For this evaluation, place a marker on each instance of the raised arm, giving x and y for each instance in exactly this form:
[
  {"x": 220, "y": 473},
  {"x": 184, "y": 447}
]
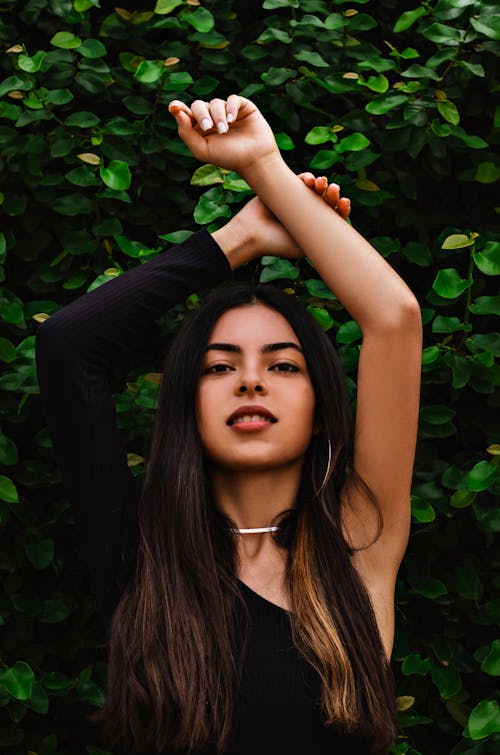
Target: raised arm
[
  {"x": 74, "y": 350},
  {"x": 375, "y": 296}
]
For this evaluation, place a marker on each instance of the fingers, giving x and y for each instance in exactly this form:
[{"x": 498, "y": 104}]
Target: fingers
[
  {"x": 329, "y": 192},
  {"x": 344, "y": 207},
  {"x": 215, "y": 115}
]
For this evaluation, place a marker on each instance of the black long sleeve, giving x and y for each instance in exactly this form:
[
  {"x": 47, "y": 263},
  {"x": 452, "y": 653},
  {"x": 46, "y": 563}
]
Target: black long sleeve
[{"x": 75, "y": 349}]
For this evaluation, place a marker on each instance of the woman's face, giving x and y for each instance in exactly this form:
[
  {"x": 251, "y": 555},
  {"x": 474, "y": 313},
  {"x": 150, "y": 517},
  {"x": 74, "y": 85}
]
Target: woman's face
[{"x": 255, "y": 403}]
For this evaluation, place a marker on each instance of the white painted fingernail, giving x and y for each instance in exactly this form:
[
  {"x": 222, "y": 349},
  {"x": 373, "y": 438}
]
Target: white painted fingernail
[
  {"x": 230, "y": 117},
  {"x": 221, "y": 128},
  {"x": 206, "y": 124}
]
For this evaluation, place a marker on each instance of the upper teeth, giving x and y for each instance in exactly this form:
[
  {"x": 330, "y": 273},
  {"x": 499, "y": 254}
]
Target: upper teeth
[{"x": 251, "y": 418}]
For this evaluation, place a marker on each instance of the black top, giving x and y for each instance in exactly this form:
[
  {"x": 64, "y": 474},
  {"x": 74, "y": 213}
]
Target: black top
[{"x": 278, "y": 704}]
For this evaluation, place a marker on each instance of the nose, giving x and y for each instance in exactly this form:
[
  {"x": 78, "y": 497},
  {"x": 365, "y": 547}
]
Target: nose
[{"x": 250, "y": 387}]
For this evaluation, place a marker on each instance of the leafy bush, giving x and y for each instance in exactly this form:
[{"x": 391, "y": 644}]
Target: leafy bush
[{"x": 395, "y": 106}]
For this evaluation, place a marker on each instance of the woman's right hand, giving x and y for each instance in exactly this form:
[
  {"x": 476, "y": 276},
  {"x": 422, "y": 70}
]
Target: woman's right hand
[
  {"x": 259, "y": 232},
  {"x": 231, "y": 134}
]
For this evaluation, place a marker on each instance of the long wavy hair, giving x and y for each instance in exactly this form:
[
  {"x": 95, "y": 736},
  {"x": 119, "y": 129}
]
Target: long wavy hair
[{"x": 175, "y": 656}]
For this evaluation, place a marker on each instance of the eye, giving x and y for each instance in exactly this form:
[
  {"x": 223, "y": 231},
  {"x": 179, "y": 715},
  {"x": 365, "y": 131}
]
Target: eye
[
  {"x": 284, "y": 367},
  {"x": 218, "y": 368}
]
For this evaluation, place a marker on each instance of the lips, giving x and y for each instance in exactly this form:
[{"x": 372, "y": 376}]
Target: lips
[{"x": 251, "y": 413}]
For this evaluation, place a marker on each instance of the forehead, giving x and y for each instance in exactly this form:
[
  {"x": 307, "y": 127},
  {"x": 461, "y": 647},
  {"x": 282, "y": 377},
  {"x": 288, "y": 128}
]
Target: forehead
[{"x": 252, "y": 324}]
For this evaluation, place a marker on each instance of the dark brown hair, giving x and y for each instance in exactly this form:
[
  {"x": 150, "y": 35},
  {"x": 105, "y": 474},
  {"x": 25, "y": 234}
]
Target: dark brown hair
[{"x": 173, "y": 669}]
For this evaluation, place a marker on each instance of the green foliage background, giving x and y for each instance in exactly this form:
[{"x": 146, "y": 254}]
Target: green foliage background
[{"x": 397, "y": 105}]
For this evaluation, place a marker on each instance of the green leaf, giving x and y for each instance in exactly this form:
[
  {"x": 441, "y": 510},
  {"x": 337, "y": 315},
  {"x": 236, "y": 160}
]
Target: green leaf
[
  {"x": 82, "y": 119},
  {"x": 352, "y": 143},
  {"x": 430, "y": 588},
  {"x": 92, "y": 48},
  {"x": 57, "y": 682},
  {"x": 163, "y": 7},
  {"x": 275, "y": 268},
  {"x": 323, "y": 159},
  {"x": 322, "y": 316},
  {"x": 461, "y": 499},
  {"x": 116, "y": 176},
  {"x": 417, "y": 71},
  {"x": 484, "y": 342},
  {"x": 54, "y": 610},
  {"x": 491, "y": 664},
  {"x": 31, "y": 64},
  {"x": 475, "y": 68},
  {"x": 11, "y": 312},
  {"x": 481, "y": 476},
  {"x": 414, "y": 664},
  {"x": 430, "y": 354},
  {"x": 8, "y": 491},
  {"x": 422, "y": 510},
  {"x": 176, "y": 237},
  {"x": 38, "y": 700},
  {"x": 447, "y": 680},
  {"x": 66, "y": 40},
  {"x": 484, "y": 719},
  {"x": 14, "y": 83},
  {"x": 443, "y": 324},
  {"x": 18, "y": 680},
  {"x": 211, "y": 205},
  {"x": 313, "y": 58},
  {"x": 487, "y": 25},
  {"x": 317, "y": 288},
  {"x": 488, "y": 259},
  {"x": 8, "y": 451},
  {"x": 487, "y": 173},
  {"x": 408, "y": 18},
  {"x": 201, "y": 19},
  {"x": 104, "y": 278},
  {"x": 348, "y": 332},
  {"x": 449, "y": 284},
  {"x": 284, "y": 142},
  {"x": 7, "y": 350},
  {"x": 73, "y": 204},
  {"x": 82, "y": 176},
  {"x": 378, "y": 83},
  {"x": 272, "y": 4},
  {"x": 59, "y": 96},
  {"x": 206, "y": 175},
  {"x": 472, "y": 141},
  {"x": 486, "y": 305},
  {"x": 41, "y": 553},
  {"x": 444, "y": 35},
  {"x": 449, "y": 112},
  {"x": 457, "y": 241},
  {"x": 82, "y": 5},
  {"x": 149, "y": 71},
  {"x": 437, "y": 414},
  {"x": 383, "y": 105}
]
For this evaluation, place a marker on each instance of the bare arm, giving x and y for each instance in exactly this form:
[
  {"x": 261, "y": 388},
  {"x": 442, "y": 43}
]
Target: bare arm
[{"x": 372, "y": 292}]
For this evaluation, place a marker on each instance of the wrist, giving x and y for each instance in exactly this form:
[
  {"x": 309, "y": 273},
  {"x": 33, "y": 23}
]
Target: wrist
[
  {"x": 237, "y": 242},
  {"x": 263, "y": 169}
]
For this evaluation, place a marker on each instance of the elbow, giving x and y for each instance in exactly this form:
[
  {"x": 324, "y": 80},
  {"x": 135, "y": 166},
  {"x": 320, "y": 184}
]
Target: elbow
[{"x": 403, "y": 318}]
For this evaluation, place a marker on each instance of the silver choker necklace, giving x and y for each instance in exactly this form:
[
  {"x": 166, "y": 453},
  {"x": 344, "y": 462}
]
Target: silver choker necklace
[{"x": 252, "y": 530}]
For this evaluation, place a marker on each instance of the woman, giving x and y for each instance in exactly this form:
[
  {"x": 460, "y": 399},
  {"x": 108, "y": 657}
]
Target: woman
[{"x": 250, "y": 591}]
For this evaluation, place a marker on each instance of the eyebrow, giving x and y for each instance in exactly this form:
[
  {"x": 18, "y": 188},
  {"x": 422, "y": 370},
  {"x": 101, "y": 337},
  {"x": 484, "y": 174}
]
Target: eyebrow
[{"x": 268, "y": 348}]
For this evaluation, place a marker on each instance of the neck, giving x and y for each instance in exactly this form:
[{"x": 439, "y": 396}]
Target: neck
[{"x": 253, "y": 499}]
